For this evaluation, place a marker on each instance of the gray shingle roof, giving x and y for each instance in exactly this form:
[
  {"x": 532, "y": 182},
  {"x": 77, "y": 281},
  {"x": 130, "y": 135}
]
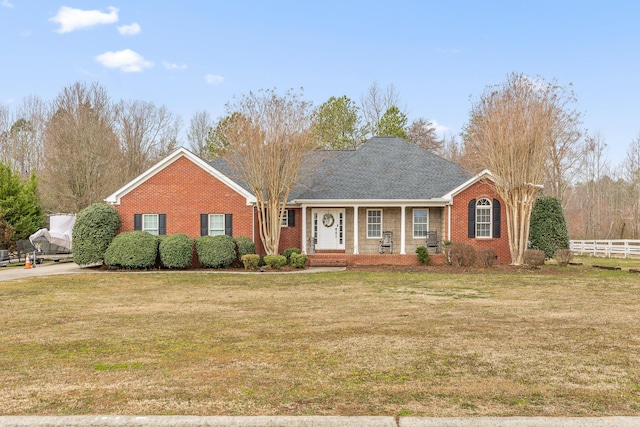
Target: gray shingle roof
[{"x": 382, "y": 168}]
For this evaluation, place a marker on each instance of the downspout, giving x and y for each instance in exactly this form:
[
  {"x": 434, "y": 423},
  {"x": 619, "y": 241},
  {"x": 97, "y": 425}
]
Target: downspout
[{"x": 449, "y": 223}]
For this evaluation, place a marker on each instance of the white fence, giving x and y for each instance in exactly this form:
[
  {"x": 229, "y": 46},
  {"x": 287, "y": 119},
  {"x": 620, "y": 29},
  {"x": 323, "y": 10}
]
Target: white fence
[{"x": 623, "y": 248}]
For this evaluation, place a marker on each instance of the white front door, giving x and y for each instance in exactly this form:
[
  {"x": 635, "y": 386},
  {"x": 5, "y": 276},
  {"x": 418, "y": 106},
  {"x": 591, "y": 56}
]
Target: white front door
[{"x": 328, "y": 228}]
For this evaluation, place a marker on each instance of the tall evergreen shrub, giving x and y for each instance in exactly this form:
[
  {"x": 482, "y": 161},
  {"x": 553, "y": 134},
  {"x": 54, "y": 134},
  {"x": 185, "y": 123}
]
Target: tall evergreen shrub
[
  {"x": 93, "y": 232},
  {"x": 548, "y": 229}
]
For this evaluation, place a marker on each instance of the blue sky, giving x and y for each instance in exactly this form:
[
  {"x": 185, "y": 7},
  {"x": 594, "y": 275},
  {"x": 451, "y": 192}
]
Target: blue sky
[{"x": 196, "y": 55}]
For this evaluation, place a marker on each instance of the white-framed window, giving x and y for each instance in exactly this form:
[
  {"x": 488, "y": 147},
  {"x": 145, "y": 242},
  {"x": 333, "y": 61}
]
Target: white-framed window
[
  {"x": 483, "y": 218},
  {"x": 285, "y": 219},
  {"x": 151, "y": 224},
  {"x": 216, "y": 224},
  {"x": 420, "y": 223},
  {"x": 374, "y": 223}
]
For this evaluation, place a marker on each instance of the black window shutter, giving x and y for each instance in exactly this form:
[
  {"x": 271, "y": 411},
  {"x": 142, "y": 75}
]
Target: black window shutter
[
  {"x": 291, "y": 218},
  {"x": 204, "y": 224},
  {"x": 228, "y": 226},
  {"x": 496, "y": 218},
  {"x": 471, "y": 228},
  {"x": 162, "y": 224},
  {"x": 137, "y": 221}
]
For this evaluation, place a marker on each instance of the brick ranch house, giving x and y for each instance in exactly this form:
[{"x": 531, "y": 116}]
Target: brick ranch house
[{"x": 387, "y": 190}]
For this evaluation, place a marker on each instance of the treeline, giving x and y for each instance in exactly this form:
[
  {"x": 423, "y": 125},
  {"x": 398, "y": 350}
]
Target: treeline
[{"x": 83, "y": 145}]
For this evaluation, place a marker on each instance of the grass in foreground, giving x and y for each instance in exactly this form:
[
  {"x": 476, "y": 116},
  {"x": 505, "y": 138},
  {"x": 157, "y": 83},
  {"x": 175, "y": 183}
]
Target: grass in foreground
[{"x": 550, "y": 342}]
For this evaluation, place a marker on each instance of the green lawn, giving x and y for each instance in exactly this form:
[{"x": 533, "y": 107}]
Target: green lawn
[{"x": 548, "y": 342}]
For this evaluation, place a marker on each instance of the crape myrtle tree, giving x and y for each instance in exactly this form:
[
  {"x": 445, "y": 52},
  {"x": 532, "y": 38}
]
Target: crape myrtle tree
[
  {"x": 267, "y": 141},
  {"x": 509, "y": 132}
]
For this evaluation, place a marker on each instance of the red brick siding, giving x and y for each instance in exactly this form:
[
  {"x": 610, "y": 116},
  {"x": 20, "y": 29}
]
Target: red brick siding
[
  {"x": 183, "y": 191},
  {"x": 290, "y": 237},
  {"x": 459, "y": 221}
]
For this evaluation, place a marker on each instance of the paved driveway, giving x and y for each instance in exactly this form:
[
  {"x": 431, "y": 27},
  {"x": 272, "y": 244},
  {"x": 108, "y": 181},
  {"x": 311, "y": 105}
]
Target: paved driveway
[{"x": 11, "y": 273}]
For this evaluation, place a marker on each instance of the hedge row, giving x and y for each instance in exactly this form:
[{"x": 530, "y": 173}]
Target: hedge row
[{"x": 141, "y": 250}]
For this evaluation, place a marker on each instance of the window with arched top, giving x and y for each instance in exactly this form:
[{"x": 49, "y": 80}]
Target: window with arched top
[{"x": 483, "y": 218}]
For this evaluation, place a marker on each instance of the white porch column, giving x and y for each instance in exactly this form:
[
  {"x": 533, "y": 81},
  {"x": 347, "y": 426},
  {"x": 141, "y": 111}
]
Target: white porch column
[
  {"x": 403, "y": 229},
  {"x": 304, "y": 229},
  {"x": 355, "y": 230}
]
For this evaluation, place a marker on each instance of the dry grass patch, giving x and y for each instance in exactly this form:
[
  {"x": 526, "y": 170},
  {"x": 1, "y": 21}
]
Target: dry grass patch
[{"x": 549, "y": 342}]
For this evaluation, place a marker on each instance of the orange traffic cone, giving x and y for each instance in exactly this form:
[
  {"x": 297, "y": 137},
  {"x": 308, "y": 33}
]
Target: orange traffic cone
[{"x": 28, "y": 263}]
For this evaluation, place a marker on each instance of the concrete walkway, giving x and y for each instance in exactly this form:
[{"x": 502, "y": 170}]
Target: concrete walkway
[
  {"x": 12, "y": 273},
  {"x": 311, "y": 421}
]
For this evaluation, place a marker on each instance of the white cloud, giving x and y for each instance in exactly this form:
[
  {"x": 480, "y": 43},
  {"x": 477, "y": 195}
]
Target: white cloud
[
  {"x": 130, "y": 30},
  {"x": 25, "y": 33},
  {"x": 126, "y": 60},
  {"x": 441, "y": 130},
  {"x": 172, "y": 66},
  {"x": 71, "y": 19},
  {"x": 213, "y": 79},
  {"x": 6, "y": 3}
]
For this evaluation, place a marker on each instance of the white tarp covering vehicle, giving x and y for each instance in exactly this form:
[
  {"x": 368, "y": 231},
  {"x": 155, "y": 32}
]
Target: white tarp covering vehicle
[{"x": 57, "y": 239}]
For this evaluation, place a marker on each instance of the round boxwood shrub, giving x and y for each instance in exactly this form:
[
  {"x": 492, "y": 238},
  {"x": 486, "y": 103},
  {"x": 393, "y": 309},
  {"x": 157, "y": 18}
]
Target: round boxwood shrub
[
  {"x": 275, "y": 261},
  {"x": 298, "y": 260},
  {"x": 287, "y": 253},
  {"x": 132, "y": 249},
  {"x": 245, "y": 246},
  {"x": 93, "y": 232},
  {"x": 215, "y": 251},
  {"x": 176, "y": 251},
  {"x": 548, "y": 229},
  {"x": 251, "y": 261}
]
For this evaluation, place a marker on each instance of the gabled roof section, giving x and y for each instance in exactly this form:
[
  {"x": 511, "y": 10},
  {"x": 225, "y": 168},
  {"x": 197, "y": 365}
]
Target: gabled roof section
[
  {"x": 383, "y": 168},
  {"x": 485, "y": 174},
  {"x": 114, "y": 198}
]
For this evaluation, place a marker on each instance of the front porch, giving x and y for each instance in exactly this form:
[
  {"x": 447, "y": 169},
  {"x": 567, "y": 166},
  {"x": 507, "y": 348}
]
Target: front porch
[{"x": 360, "y": 229}]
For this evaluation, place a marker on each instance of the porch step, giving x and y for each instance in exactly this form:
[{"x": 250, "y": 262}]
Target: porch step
[{"x": 327, "y": 260}]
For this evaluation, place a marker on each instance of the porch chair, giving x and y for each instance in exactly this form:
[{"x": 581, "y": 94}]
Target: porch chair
[
  {"x": 386, "y": 242},
  {"x": 432, "y": 241}
]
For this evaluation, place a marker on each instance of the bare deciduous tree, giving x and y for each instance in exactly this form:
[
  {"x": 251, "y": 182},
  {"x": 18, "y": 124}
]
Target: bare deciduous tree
[
  {"x": 422, "y": 133},
  {"x": 81, "y": 150},
  {"x": 508, "y": 132},
  {"x": 146, "y": 134},
  {"x": 376, "y": 102},
  {"x": 267, "y": 142},
  {"x": 199, "y": 128},
  {"x": 565, "y": 148},
  {"x": 631, "y": 167}
]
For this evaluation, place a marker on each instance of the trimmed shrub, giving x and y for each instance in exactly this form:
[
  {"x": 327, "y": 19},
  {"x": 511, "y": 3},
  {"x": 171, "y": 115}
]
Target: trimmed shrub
[
  {"x": 275, "y": 261},
  {"x": 487, "y": 256},
  {"x": 287, "y": 253},
  {"x": 245, "y": 246},
  {"x": 423, "y": 255},
  {"x": 132, "y": 249},
  {"x": 534, "y": 257},
  {"x": 251, "y": 261},
  {"x": 298, "y": 260},
  {"x": 462, "y": 254},
  {"x": 548, "y": 229},
  {"x": 93, "y": 232},
  {"x": 216, "y": 251},
  {"x": 176, "y": 251},
  {"x": 563, "y": 257}
]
